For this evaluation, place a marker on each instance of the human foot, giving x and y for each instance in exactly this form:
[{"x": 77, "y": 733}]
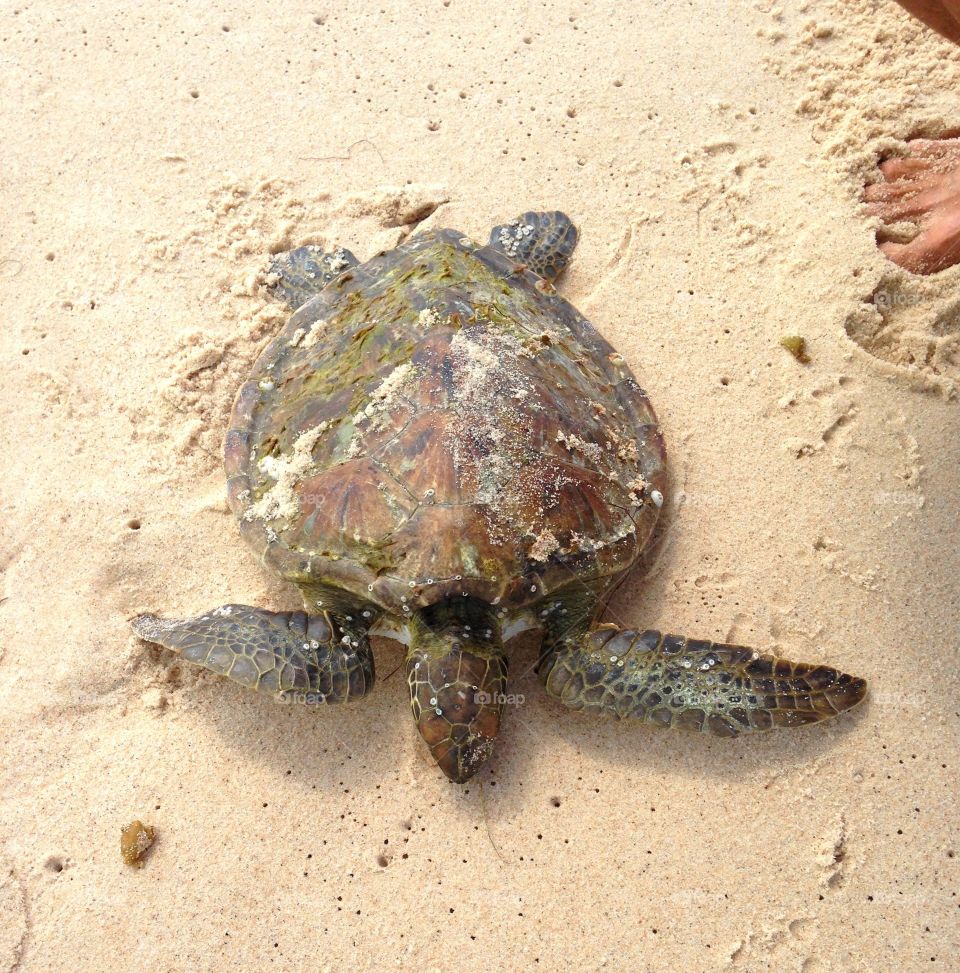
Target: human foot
[
  {"x": 923, "y": 188},
  {"x": 942, "y": 15}
]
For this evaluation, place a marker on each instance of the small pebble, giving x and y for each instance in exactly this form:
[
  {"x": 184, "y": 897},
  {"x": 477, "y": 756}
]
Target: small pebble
[{"x": 135, "y": 839}]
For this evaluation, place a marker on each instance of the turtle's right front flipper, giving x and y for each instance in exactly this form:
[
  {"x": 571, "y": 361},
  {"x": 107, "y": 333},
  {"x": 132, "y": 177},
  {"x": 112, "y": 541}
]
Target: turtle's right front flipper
[
  {"x": 541, "y": 241},
  {"x": 301, "y": 658},
  {"x": 710, "y": 687}
]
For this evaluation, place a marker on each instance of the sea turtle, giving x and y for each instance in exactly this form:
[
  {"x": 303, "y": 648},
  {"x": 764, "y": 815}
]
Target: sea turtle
[{"x": 439, "y": 448}]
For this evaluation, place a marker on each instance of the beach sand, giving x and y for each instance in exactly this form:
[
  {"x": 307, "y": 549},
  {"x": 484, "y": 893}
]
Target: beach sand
[{"x": 712, "y": 154}]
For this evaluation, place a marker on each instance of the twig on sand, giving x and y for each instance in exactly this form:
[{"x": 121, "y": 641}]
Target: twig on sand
[
  {"x": 486, "y": 822},
  {"x": 342, "y": 158}
]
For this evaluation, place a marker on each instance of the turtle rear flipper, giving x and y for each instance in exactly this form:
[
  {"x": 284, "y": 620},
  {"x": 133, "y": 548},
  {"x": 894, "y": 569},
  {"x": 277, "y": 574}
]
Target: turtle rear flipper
[
  {"x": 544, "y": 242},
  {"x": 710, "y": 687},
  {"x": 297, "y": 657},
  {"x": 302, "y": 273}
]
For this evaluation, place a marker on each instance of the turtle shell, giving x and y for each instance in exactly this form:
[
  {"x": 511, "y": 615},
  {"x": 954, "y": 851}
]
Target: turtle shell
[{"x": 438, "y": 422}]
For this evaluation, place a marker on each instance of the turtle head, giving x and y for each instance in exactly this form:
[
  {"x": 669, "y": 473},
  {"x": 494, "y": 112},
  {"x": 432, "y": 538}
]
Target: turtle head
[{"x": 457, "y": 673}]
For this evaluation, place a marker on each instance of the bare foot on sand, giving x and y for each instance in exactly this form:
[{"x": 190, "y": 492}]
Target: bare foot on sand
[
  {"x": 923, "y": 188},
  {"x": 942, "y": 15}
]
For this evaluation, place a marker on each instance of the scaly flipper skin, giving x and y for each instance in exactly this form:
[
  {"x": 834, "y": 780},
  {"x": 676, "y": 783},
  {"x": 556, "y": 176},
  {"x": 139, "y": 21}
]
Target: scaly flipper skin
[
  {"x": 304, "y": 272},
  {"x": 542, "y": 242},
  {"x": 300, "y": 658},
  {"x": 713, "y": 688}
]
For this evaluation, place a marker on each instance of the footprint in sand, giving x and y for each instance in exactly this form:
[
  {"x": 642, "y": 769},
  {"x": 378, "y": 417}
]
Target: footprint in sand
[
  {"x": 908, "y": 323},
  {"x": 906, "y": 320},
  {"x": 820, "y": 416}
]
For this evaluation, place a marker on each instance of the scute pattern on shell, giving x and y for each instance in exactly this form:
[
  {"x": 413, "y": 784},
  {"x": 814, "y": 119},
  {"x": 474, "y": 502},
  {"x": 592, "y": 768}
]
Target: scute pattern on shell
[{"x": 436, "y": 422}]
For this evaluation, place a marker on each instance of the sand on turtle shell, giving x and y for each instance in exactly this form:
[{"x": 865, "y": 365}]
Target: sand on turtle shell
[{"x": 281, "y": 500}]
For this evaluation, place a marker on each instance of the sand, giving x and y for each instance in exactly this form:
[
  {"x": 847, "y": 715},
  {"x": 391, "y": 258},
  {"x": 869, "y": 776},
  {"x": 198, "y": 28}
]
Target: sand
[{"x": 712, "y": 154}]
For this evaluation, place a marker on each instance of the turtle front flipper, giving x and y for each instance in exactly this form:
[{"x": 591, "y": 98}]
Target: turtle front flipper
[
  {"x": 297, "y": 657},
  {"x": 710, "y": 687},
  {"x": 302, "y": 273},
  {"x": 543, "y": 242}
]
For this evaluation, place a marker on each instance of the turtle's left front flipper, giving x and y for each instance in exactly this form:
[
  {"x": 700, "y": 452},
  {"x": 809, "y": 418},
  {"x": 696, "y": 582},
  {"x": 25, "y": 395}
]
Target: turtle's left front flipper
[
  {"x": 301, "y": 658},
  {"x": 299, "y": 275},
  {"x": 714, "y": 688}
]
